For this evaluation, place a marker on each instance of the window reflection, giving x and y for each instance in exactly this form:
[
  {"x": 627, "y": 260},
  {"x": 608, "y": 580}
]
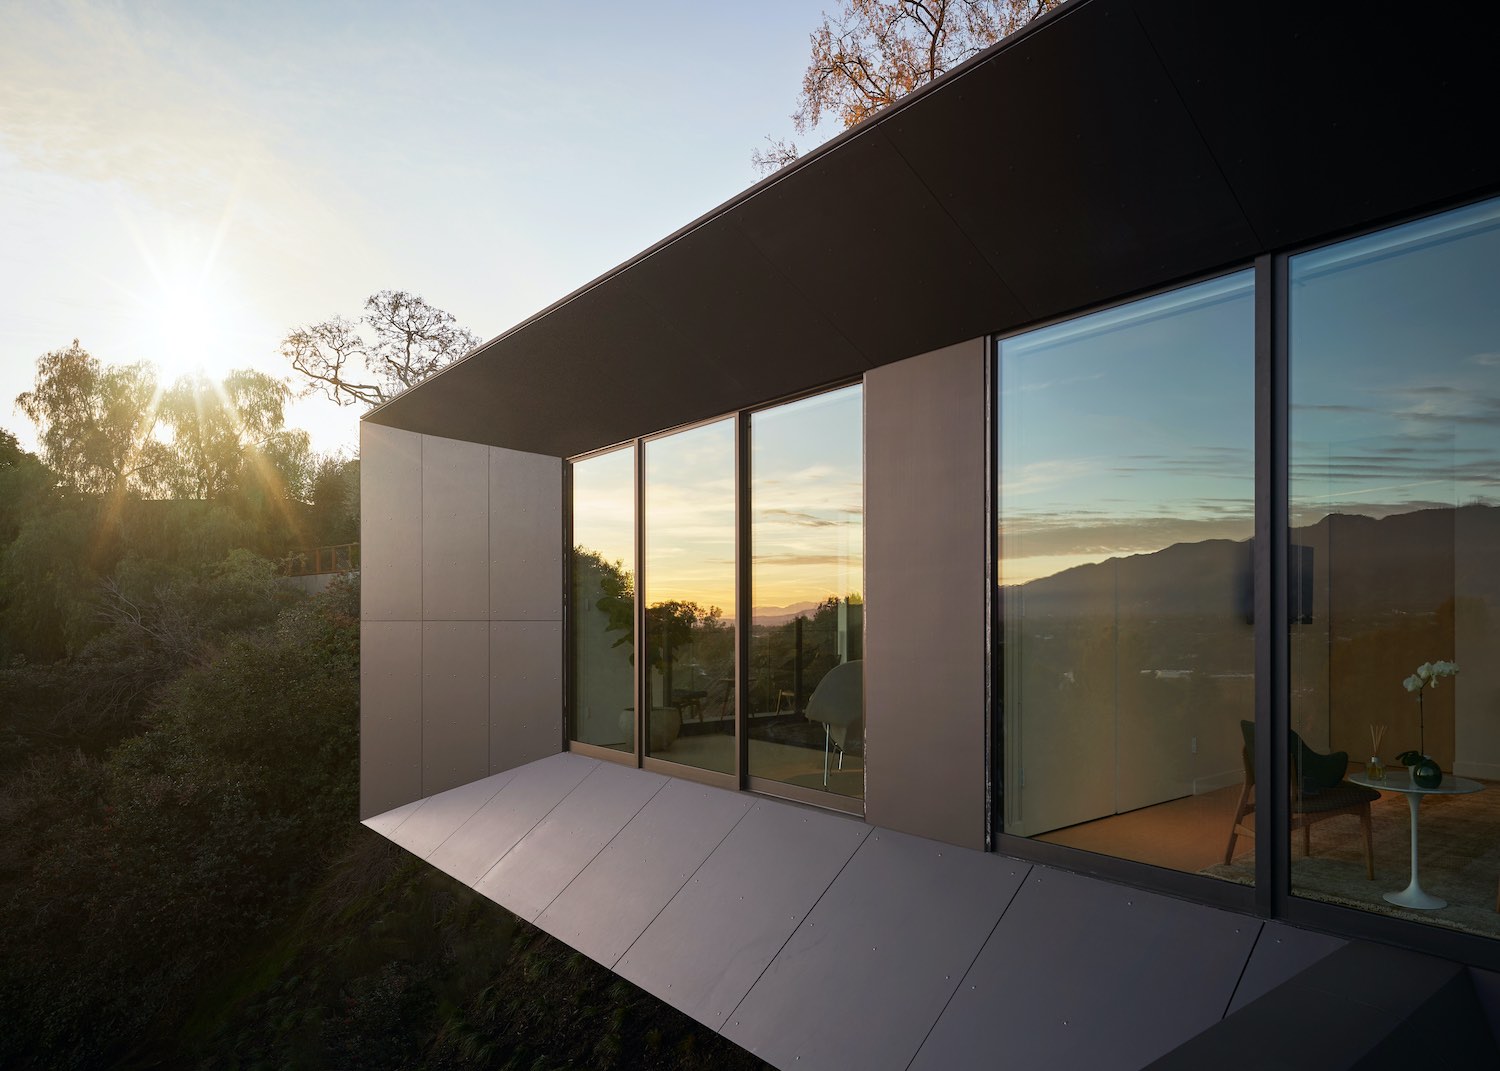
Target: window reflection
[
  {"x": 688, "y": 561},
  {"x": 1395, "y": 504},
  {"x": 1126, "y": 505},
  {"x": 806, "y": 720},
  {"x": 602, "y": 612}
]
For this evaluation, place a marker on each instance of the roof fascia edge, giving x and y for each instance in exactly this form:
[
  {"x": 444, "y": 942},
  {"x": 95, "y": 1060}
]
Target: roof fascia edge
[{"x": 806, "y": 160}]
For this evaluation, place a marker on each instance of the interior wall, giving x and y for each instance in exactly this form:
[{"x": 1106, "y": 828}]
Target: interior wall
[
  {"x": 461, "y": 613},
  {"x": 1476, "y": 689},
  {"x": 925, "y": 451}
]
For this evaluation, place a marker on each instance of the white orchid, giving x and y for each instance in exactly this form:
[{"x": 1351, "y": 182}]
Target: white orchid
[{"x": 1429, "y": 673}]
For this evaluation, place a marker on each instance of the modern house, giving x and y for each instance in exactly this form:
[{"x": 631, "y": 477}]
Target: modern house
[{"x": 910, "y": 616}]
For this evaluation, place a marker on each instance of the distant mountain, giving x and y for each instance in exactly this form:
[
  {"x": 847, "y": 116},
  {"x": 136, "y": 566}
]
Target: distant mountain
[
  {"x": 1403, "y": 562},
  {"x": 780, "y": 615}
]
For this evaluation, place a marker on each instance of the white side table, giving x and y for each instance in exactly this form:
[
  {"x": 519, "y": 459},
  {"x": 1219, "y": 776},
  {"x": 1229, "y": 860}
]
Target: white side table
[{"x": 1400, "y": 781}]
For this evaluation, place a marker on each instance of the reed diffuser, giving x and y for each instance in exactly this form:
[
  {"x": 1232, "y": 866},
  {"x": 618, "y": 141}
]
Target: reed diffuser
[{"x": 1375, "y": 769}]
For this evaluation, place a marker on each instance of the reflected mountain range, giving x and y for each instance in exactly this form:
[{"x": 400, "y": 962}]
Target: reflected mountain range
[{"x": 1397, "y": 560}]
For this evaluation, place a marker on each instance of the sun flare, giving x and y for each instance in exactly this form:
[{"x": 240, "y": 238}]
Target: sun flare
[{"x": 185, "y": 318}]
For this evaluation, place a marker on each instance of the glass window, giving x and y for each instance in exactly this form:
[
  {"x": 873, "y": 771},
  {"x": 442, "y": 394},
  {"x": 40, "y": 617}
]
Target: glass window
[
  {"x": 1126, "y": 507},
  {"x": 602, "y": 613},
  {"x": 806, "y": 695},
  {"x": 688, "y": 588},
  {"x": 1395, "y": 533}
]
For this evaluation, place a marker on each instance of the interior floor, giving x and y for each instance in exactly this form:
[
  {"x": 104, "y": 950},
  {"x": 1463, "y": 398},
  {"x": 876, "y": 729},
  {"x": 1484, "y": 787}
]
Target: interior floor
[
  {"x": 789, "y": 764},
  {"x": 1459, "y": 851},
  {"x": 1181, "y": 834}
]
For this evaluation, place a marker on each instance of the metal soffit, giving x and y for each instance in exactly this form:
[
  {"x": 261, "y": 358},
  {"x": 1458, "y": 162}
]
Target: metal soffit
[{"x": 1115, "y": 146}]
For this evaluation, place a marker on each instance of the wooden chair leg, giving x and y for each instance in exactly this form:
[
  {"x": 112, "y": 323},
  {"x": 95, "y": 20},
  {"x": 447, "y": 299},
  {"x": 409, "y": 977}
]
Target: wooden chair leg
[
  {"x": 1234, "y": 827},
  {"x": 1364, "y": 820}
]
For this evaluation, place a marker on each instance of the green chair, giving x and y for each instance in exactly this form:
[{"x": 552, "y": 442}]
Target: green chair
[{"x": 1319, "y": 791}]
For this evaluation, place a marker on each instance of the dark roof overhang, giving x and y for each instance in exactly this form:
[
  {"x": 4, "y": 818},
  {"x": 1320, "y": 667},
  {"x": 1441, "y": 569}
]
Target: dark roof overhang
[{"x": 1112, "y": 147}]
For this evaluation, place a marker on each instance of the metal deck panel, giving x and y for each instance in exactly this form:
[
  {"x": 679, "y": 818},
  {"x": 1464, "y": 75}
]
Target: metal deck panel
[
  {"x": 1085, "y": 973},
  {"x": 438, "y": 816},
  {"x": 530, "y": 875},
  {"x": 863, "y": 978},
  {"x": 1281, "y": 953},
  {"x": 387, "y": 823},
  {"x": 509, "y": 815},
  {"x": 614, "y": 899},
  {"x": 709, "y": 945}
]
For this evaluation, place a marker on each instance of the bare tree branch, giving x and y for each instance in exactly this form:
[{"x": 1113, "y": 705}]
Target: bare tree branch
[
  {"x": 874, "y": 52},
  {"x": 398, "y": 342}
]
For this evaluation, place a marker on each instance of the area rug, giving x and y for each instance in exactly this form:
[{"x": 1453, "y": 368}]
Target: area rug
[{"x": 1460, "y": 846}]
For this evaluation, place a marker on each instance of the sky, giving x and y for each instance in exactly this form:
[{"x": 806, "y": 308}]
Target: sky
[
  {"x": 1128, "y": 430},
  {"x": 806, "y": 507},
  {"x": 187, "y": 182}
]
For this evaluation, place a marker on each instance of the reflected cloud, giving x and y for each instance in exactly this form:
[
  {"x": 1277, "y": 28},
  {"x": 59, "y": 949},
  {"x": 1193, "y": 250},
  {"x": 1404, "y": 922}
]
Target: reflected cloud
[{"x": 793, "y": 517}]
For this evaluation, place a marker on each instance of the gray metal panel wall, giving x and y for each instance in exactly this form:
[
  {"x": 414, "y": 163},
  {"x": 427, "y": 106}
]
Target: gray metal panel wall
[
  {"x": 925, "y": 452},
  {"x": 455, "y": 530},
  {"x": 390, "y": 491},
  {"x": 390, "y": 715},
  {"x": 524, "y": 596},
  {"x": 455, "y": 703},
  {"x": 525, "y": 703},
  {"x": 456, "y": 534},
  {"x": 525, "y": 495}
]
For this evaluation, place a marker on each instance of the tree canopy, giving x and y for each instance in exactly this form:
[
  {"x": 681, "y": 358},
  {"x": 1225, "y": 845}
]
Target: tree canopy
[
  {"x": 874, "y": 52},
  {"x": 95, "y": 422},
  {"x": 398, "y": 342}
]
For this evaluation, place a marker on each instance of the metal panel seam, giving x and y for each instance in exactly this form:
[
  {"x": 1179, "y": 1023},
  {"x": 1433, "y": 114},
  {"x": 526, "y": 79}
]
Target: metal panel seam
[
  {"x": 421, "y": 617},
  {"x": 684, "y": 885},
  {"x": 1259, "y": 933},
  {"x": 1208, "y": 151},
  {"x": 489, "y": 599},
  {"x": 461, "y": 824},
  {"x": 957, "y": 226},
  {"x": 665, "y": 781},
  {"x": 729, "y": 1017},
  {"x": 1021, "y": 884},
  {"x": 775, "y": 269},
  {"x": 532, "y": 828}
]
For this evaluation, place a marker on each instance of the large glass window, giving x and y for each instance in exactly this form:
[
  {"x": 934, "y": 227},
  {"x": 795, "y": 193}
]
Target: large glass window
[
  {"x": 806, "y": 695},
  {"x": 688, "y": 591},
  {"x": 1395, "y": 536},
  {"x": 1126, "y": 507},
  {"x": 602, "y": 612}
]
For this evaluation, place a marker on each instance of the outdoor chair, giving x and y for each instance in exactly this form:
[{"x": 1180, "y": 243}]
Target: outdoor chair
[
  {"x": 1319, "y": 791},
  {"x": 839, "y": 703}
]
